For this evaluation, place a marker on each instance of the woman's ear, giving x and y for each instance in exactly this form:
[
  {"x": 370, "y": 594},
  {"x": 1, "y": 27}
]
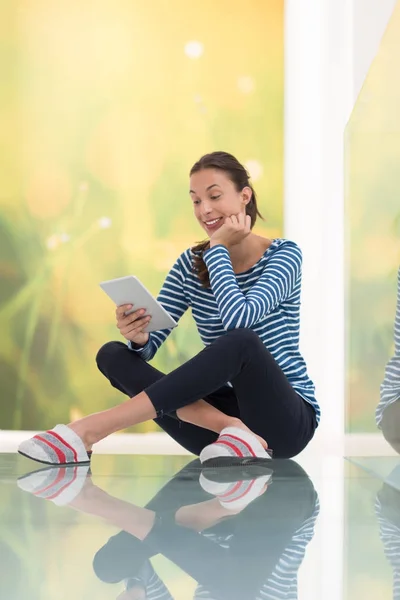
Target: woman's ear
[{"x": 247, "y": 195}]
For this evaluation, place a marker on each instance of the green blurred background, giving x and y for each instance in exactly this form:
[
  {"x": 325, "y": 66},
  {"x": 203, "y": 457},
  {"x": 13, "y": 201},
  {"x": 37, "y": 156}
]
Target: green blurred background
[{"x": 104, "y": 107}]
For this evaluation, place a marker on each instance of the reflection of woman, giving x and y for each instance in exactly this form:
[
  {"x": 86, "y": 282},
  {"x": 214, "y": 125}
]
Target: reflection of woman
[
  {"x": 387, "y": 510},
  {"x": 256, "y": 553},
  {"x": 250, "y": 382},
  {"x": 388, "y": 411}
]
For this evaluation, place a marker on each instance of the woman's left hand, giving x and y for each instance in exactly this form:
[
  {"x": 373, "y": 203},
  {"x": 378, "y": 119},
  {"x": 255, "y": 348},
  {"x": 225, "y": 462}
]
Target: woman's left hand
[{"x": 235, "y": 229}]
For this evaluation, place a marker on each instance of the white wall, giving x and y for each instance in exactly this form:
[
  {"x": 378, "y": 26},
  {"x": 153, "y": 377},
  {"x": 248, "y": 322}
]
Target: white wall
[
  {"x": 370, "y": 19},
  {"x": 319, "y": 99}
]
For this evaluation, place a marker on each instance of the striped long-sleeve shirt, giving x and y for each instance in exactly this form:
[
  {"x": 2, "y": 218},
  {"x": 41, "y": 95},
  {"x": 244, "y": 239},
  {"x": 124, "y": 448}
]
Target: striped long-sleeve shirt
[
  {"x": 390, "y": 387},
  {"x": 265, "y": 298}
]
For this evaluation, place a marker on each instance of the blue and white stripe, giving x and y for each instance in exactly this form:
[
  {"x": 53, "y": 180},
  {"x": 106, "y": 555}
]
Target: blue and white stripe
[
  {"x": 283, "y": 580},
  {"x": 390, "y": 387},
  {"x": 390, "y": 537},
  {"x": 265, "y": 298}
]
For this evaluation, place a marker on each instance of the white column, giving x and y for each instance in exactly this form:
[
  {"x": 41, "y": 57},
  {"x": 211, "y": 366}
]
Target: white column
[
  {"x": 318, "y": 102},
  {"x": 319, "y": 96}
]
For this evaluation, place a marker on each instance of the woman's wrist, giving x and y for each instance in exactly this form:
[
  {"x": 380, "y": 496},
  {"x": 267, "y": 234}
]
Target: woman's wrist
[
  {"x": 136, "y": 346},
  {"x": 217, "y": 243}
]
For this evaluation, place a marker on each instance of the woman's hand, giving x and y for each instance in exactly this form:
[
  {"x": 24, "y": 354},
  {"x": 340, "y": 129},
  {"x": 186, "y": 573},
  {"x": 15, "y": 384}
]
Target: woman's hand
[
  {"x": 131, "y": 326},
  {"x": 235, "y": 229}
]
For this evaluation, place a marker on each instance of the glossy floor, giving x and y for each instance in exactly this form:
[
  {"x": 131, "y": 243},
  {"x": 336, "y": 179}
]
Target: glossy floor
[{"x": 157, "y": 527}]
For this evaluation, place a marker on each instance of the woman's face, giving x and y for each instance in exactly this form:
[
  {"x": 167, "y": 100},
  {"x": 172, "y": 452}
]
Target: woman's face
[{"x": 215, "y": 198}]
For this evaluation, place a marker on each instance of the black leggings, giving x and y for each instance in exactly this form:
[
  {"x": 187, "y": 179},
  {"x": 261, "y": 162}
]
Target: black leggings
[{"x": 261, "y": 397}]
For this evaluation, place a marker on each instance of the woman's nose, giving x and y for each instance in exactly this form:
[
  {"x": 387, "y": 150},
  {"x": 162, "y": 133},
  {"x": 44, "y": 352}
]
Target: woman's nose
[{"x": 207, "y": 208}]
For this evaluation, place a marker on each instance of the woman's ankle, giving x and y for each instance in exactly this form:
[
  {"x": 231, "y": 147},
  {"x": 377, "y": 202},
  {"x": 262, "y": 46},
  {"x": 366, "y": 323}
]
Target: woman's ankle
[
  {"x": 88, "y": 438},
  {"x": 240, "y": 425},
  {"x": 234, "y": 422},
  {"x": 227, "y": 421}
]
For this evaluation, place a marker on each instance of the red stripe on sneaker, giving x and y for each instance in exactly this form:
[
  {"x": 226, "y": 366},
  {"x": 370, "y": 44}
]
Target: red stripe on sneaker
[
  {"x": 232, "y": 491},
  {"x": 60, "y": 453},
  {"x": 241, "y": 495},
  {"x": 238, "y": 439},
  {"x": 60, "y": 439},
  {"x": 232, "y": 446},
  {"x": 65, "y": 486}
]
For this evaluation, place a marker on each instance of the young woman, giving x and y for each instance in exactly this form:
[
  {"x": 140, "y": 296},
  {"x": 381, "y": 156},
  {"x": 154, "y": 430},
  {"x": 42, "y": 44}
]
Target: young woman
[{"x": 248, "y": 389}]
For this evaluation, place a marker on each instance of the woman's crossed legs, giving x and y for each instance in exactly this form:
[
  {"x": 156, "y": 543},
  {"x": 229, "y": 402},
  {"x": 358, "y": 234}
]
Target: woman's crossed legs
[{"x": 261, "y": 398}]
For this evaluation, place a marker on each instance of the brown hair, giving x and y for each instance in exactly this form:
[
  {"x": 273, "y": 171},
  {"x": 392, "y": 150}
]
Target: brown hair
[{"x": 237, "y": 173}]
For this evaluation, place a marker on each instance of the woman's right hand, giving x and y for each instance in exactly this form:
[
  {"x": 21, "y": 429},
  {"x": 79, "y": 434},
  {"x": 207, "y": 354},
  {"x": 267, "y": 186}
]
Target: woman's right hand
[{"x": 131, "y": 326}]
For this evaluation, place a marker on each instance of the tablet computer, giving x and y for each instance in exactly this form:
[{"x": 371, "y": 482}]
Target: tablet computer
[{"x": 129, "y": 290}]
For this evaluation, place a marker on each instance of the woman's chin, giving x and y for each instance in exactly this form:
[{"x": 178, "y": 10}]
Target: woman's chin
[{"x": 211, "y": 230}]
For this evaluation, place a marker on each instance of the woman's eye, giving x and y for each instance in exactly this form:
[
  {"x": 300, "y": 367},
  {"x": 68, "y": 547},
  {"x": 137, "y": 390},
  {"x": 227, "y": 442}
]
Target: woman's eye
[
  {"x": 215, "y": 197},
  {"x": 196, "y": 201}
]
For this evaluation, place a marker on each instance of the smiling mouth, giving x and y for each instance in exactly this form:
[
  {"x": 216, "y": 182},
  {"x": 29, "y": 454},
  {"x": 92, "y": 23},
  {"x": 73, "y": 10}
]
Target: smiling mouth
[{"x": 213, "y": 222}]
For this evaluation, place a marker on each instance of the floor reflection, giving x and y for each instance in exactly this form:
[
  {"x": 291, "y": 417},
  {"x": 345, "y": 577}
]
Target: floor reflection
[
  {"x": 237, "y": 534},
  {"x": 387, "y": 510},
  {"x": 247, "y": 541}
]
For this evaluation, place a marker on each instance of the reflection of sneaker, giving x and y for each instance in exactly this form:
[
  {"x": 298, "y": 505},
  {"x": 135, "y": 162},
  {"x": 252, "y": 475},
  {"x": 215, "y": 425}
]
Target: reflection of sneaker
[
  {"x": 61, "y": 485},
  {"x": 234, "y": 446},
  {"x": 235, "y": 488}
]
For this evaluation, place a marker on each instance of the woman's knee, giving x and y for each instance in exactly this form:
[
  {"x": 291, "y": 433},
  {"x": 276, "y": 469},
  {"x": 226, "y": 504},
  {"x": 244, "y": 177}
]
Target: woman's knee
[{"x": 107, "y": 354}]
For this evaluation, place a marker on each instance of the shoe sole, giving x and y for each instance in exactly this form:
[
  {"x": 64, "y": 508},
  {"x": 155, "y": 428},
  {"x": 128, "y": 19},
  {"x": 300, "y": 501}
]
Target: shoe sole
[
  {"x": 232, "y": 461},
  {"x": 46, "y": 462},
  {"x": 231, "y": 475}
]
